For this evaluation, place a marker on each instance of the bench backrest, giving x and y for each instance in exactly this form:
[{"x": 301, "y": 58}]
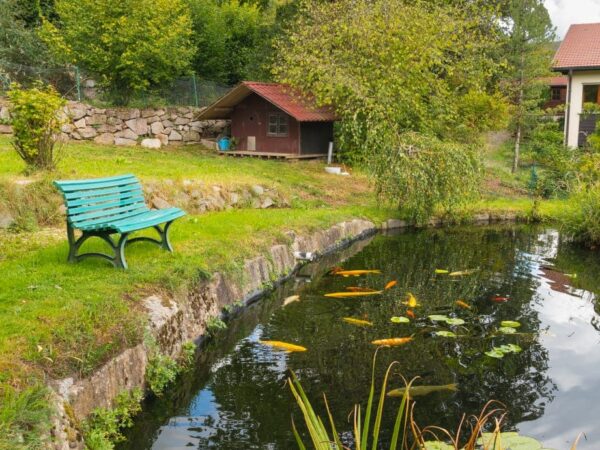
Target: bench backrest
[{"x": 92, "y": 202}]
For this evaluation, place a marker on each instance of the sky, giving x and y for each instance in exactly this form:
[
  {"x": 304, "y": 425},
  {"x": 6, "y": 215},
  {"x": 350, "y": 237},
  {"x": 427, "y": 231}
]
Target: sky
[{"x": 567, "y": 12}]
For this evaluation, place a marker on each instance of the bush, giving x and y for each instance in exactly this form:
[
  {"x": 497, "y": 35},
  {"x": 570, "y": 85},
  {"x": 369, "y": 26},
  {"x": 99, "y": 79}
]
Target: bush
[
  {"x": 36, "y": 124},
  {"x": 581, "y": 221},
  {"x": 420, "y": 174}
]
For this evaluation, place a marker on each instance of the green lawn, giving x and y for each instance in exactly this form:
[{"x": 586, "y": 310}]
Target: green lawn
[{"x": 58, "y": 319}]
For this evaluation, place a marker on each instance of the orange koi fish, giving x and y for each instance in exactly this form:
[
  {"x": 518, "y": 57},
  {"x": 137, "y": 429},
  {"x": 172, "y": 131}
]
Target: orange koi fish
[
  {"x": 500, "y": 299},
  {"x": 390, "y": 285},
  {"x": 411, "y": 302},
  {"x": 463, "y": 304},
  {"x": 360, "y": 322},
  {"x": 284, "y": 346},
  {"x": 356, "y": 273},
  {"x": 360, "y": 289},
  {"x": 393, "y": 342},
  {"x": 410, "y": 313},
  {"x": 351, "y": 294}
]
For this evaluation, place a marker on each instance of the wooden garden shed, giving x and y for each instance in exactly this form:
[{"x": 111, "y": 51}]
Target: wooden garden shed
[{"x": 271, "y": 119}]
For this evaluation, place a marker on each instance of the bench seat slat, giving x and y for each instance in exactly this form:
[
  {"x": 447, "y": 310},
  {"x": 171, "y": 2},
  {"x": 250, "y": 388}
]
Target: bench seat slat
[
  {"x": 104, "y": 205},
  {"x": 92, "y": 223},
  {"x": 97, "y": 183},
  {"x": 148, "y": 219},
  {"x": 109, "y": 212},
  {"x": 82, "y": 195},
  {"x": 105, "y": 198}
]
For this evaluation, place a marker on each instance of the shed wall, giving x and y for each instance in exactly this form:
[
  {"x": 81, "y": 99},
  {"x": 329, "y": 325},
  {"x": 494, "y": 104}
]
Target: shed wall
[{"x": 315, "y": 137}]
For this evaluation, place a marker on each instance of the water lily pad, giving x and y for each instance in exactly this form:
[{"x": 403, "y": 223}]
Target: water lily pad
[
  {"x": 511, "y": 348},
  {"x": 400, "y": 319},
  {"x": 455, "y": 321},
  {"x": 509, "y": 440},
  {"x": 495, "y": 353},
  {"x": 441, "y": 271},
  {"x": 437, "y": 445},
  {"x": 507, "y": 330},
  {"x": 438, "y": 318},
  {"x": 448, "y": 334},
  {"x": 510, "y": 324}
]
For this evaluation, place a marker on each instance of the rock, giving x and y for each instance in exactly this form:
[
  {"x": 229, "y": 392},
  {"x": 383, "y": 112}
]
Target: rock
[
  {"x": 105, "y": 138},
  {"x": 175, "y": 136},
  {"x": 89, "y": 83},
  {"x": 234, "y": 198},
  {"x": 67, "y": 128},
  {"x": 147, "y": 113},
  {"x": 6, "y": 219},
  {"x": 112, "y": 120},
  {"x": 151, "y": 143},
  {"x": 127, "y": 134},
  {"x": 157, "y": 128},
  {"x": 395, "y": 223},
  {"x": 138, "y": 126},
  {"x": 153, "y": 119},
  {"x": 196, "y": 124},
  {"x": 124, "y": 141},
  {"x": 267, "y": 203},
  {"x": 75, "y": 135},
  {"x": 196, "y": 194},
  {"x": 181, "y": 121},
  {"x": 160, "y": 112},
  {"x": 77, "y": 112},
  {"x": 96, "y": 119},
  {"x": 88, "y": 132},
  {"x": 4, "y": 113},
  {"x": 5, "y": 129},
  {"x": 167, "y": 123},
  {"x": 191, "y": 136},
  {"x": 160, "y": 203},
  {"x": 257, "y": 190},
  {"x": 163, "y": 138},
  {"x": 107, "y": 128},
  {"x": 80, "y": 123}
]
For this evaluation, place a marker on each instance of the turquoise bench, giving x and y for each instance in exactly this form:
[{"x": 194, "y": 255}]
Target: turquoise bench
[{"x": 102, "y": 207}]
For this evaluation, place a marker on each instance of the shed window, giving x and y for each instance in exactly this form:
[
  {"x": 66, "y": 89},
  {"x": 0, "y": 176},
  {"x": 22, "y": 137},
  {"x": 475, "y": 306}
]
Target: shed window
[
  {"x": 555, "y": 93},
  {"x": 591, "y": 93},
  {"x": 278, "y": 125}
]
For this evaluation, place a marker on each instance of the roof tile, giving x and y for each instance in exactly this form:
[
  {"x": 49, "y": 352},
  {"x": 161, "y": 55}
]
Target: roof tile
[{"x": 580, "y": 48}]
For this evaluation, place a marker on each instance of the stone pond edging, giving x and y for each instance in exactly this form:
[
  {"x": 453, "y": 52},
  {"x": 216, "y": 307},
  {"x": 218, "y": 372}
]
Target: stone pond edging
[
  {"x": 175, "y": 322},
  {"x": 150, "y": 127}
]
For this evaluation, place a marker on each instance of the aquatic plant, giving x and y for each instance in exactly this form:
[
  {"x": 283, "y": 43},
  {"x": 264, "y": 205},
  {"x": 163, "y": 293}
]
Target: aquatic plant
[{"x": 406, "y": 433}]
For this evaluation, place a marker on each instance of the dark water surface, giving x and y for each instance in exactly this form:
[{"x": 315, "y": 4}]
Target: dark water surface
[{"x": 237, "y": 398}]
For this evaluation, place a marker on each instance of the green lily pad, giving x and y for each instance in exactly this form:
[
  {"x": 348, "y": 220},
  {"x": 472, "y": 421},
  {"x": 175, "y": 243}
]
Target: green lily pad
[
  {"x": 509, "y": 440},
  {"x": 441, "y": 271},
  {"x": 511, "y": 348},
  {"x": 437, "y": 445},
  {"x": 438, "y": 318},
  {"x": 455, "y": 321},
  {"x": 495, "y": 353},
  {"x": 510, "y": 324},
  {"x": 507, "y": 330},
  {"x": 448, "y": 334},
  {"x": 400, "y": 319}
]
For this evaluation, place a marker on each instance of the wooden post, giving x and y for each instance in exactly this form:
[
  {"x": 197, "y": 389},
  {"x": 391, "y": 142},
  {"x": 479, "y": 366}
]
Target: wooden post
[{"x": 330, "y": 153}]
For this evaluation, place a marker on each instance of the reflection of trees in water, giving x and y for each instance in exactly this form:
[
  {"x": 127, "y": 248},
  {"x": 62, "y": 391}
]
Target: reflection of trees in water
[{"x": 254, "y": 406}]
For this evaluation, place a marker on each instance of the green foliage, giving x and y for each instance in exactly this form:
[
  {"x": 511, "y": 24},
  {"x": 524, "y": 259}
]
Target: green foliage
[
  {"x": 162, "y": 370},
  {"x": 131, "y": 45},
  {"x": 24, "y": 416},
  {"x": 215, "y": 324},
  {"x": 420, "y": 174},
  {"x": 229, "y": 38},
  {"x": 581, "y": 220},
  {"x": 103, "y": 428},
  {"x": 36, "y": 124},
  {"x": 188, "y": 353}
]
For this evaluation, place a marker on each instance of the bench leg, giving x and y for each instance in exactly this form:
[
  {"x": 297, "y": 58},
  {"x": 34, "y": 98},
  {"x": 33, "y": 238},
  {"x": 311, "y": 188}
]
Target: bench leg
[
  {"x": 164, "y": 241},
  {"x": 118, "y": 257}
]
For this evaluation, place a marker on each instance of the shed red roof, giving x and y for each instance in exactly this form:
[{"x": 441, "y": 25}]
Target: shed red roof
[
  {"x": 558, "y": 81},
  {"x": 300, "y": 107},
  {"x": 580, "y": 48}
]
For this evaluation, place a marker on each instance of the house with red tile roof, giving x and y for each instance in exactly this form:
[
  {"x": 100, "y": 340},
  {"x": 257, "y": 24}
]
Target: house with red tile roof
[
  {"x": 578, "y": 58},
  {"x": 274, "y": 119}
]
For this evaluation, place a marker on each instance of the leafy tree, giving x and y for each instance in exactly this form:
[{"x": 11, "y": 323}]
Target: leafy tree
[
  {"x": 36, "y": 124},
  {"x": 132, "y": 45},
  {"x": 229, "y": 37},
  {"x": 529, "y": 32},
  {"x": 391, "y": 67}
]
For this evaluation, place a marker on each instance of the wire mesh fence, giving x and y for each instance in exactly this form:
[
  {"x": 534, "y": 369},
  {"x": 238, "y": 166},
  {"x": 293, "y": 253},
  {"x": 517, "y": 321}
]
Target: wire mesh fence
[{"x": 75, "y": 84}]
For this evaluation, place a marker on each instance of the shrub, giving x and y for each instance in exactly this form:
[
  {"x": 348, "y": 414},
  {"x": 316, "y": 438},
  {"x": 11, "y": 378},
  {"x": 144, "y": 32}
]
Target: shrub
[
  {"x": 36, "y": 124},
  {"x": 421, "y": 173},
  {"x": 581, "y": 221},
  {"x": 103, "y": 429}
]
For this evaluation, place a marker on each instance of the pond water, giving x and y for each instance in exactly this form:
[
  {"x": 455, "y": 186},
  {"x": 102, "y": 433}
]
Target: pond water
[{"x": 237, "y": 397}]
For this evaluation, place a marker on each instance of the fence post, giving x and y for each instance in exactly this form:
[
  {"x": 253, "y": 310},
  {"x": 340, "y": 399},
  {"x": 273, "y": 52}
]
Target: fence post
[
  {"x": 78, "y": 82},
  {"x": 195, "y": 90}
]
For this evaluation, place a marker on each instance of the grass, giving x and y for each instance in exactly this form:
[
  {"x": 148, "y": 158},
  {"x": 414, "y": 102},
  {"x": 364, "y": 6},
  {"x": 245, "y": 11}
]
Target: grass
[{"x": 60, "y": 320}]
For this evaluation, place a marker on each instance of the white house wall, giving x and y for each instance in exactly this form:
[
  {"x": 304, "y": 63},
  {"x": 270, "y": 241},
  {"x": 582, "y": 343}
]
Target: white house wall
[{"x": 579, "y": 79}]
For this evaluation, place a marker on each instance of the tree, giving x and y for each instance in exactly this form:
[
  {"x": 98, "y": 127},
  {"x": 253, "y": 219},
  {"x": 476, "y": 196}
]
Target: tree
[
  {"x": 392, "y": 67},
  {"x": 529, "y": 33},
  {"x": 131, "y": 45},
  {"x": 230, "y": 37}
]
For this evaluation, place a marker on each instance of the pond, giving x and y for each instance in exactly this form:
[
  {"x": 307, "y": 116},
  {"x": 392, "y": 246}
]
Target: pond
[{"x": 237, "y": 397}]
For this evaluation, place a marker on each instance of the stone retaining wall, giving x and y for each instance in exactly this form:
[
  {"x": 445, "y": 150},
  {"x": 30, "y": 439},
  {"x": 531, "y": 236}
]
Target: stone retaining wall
[{"x": 150, "y": 127}]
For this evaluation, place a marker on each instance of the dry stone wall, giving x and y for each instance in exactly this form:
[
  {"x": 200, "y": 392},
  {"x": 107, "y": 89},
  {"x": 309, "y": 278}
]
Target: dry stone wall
[{"x": 150, "y": 127}]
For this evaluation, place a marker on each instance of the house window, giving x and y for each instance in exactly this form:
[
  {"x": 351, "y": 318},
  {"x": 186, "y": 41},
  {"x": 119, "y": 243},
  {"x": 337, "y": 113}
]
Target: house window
[
  {"x": 278, "y": 125},
  {"x": 555, "y": 93},
  {"x": 590, "y": 93}
]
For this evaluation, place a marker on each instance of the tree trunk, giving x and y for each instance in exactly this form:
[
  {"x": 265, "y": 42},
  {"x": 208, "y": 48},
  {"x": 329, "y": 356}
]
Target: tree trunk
[
  {"x": 517, "y": 149},
  {"x": 520, "y": 117}
]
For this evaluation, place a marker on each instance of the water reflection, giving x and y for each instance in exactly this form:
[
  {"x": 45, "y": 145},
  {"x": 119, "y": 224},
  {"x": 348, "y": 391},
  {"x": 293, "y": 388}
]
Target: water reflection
[{"x": 237, "y": 399}]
